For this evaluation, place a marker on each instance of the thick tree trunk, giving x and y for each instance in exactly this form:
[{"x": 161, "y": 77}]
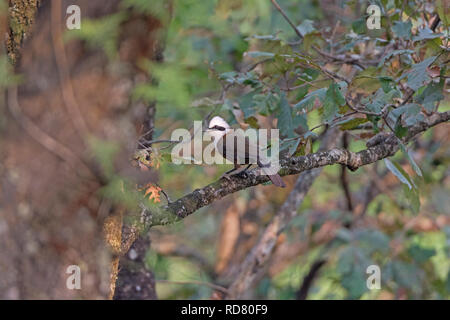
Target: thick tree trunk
[
  {"x": 134, "y": 280},
  {"x": 51, "y": 213}
]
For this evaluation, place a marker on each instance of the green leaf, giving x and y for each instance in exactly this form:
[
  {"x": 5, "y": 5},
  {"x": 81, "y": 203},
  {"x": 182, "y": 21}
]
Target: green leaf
[
  {"x": 367, "y": 80},
  {"x": 292, "y": 146},
  {"x": 380, "y": 99},
  {"x": 411, "y": 160},
  {"x": 433, "y": 47},
  {"x": 411, "y": 113},
  {"x": 387, "y": 83},
  {"x": 412, "y": 195},
  {"x": 307, "y": 103},
  {"x": 401, "y": 174},
  {"x": 333, "y": 100},
  {"x": 400, "y": 131},
  {"x": 284, "y": 115},
  {"x": 443, "y": 12},
  {"x": 247, "y": 105},
  {"x": 359, "y": 26},
  {"x": 393, "y": 54},
  {"x": 420, "y": 254},
  {"x": 228, "y": 76},
  {"x": 373, "y": 240},
  {"x": 426, "y": 33},
  {"x": 352, "y": 265},
  {"x": 431, "y": 95},
  {"x": 351, "y": 123},
  {"x": 299, "y": 120},
  {"x": 346, "y": 259},
  {"x": 266, "y": 103},
  {"x": 402, "y": 29},
  {"x": 344, "y": 235},
  {"x": 310, "y": 74},
  {"x": 407, "y": 275},
  {"x": 252, "y": 121},
  {"x": 418, "y": 75},
  {"x": 246, "y": 78},
  {"x": 355, "y": 283},
  {"x": 306, "y": 27}
]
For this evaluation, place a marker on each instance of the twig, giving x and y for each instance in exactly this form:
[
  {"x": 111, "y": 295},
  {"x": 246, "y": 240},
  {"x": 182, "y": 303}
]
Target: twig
[
  {"x": 435, "y": 22},
  {"x": 274, "y": 2},
  {"x": 332, "y": 75},
  {"x": 164, "y": 193},
  {"x": 336, "y": 120},
  {"x": 332, "y": 124},
  {"x": 253, "y": 66},
  {"x": 381, "y": 113},
  {"x": 336, "y": 58},
  {"x": 302, "y": 293},
  {"x": 67, "y": 91},
  {"x": 306, "y": 82},
  {"x": 41, "y": 137},
  {"x": 333, "y": 34}
]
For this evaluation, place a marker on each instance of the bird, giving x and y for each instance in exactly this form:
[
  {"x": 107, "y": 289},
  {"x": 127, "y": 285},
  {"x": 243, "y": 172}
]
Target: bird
[{"x": 220, "y": 130}]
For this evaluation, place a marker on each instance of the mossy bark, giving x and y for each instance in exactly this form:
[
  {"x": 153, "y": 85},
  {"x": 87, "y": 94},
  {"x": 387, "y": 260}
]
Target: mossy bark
[{"x": 21, "y": 17}]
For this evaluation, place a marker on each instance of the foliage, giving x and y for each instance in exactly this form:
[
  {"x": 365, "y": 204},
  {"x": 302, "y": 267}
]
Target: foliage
[{"x": 392, "y": 77}]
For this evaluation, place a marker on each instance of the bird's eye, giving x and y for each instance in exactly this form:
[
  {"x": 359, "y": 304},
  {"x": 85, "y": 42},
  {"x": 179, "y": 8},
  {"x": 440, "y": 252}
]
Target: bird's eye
[{"x": 216, "y": 127}]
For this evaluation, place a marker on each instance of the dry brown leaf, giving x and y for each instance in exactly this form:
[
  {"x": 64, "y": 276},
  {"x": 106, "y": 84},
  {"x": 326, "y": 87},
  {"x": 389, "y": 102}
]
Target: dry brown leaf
[
  {"x": 434, "y": 71},
  {"x": 154, "y": 193}
]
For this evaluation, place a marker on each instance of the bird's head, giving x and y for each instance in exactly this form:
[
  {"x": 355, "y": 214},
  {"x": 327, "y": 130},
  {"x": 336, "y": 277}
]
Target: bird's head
[{"x": 218, "y": 127}]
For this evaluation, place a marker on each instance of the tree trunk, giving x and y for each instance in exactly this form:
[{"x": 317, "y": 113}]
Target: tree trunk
[{"x": 71, "y": 94}]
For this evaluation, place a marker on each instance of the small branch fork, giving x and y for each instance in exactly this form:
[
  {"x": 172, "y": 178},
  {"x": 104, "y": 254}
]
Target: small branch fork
[{"x": 277, "y": 6}]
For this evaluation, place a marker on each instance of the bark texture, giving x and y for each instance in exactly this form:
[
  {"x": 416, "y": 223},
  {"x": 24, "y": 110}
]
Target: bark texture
[{"x": 134, "y": 280}]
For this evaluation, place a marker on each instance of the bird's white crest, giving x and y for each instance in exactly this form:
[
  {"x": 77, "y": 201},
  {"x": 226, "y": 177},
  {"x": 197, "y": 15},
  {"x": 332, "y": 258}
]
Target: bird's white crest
[
  {"x": 215, "y": 133},
  {"x": 218, "y": 121},
  {"x": 240, "y": 149}
]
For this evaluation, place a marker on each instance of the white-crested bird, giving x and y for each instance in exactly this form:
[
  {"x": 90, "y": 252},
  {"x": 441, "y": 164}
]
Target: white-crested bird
[{"x": 241, "y": 150}]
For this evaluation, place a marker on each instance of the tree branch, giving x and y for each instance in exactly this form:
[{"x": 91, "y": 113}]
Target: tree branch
[
  {"x": 302, "y": 293},
  {"x": 199, "y": 198},
  {"x": 340, "y": 58}
]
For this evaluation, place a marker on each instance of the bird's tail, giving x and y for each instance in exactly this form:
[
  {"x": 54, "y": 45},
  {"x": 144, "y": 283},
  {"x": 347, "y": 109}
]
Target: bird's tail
[
  {"x": 276, "y": 180},
  {"x": 272, "y": 174}
]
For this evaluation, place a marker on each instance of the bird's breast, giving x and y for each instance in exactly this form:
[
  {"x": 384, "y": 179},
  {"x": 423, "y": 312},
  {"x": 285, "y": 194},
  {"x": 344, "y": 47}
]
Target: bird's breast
[{"x": 238, "y": 149}]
